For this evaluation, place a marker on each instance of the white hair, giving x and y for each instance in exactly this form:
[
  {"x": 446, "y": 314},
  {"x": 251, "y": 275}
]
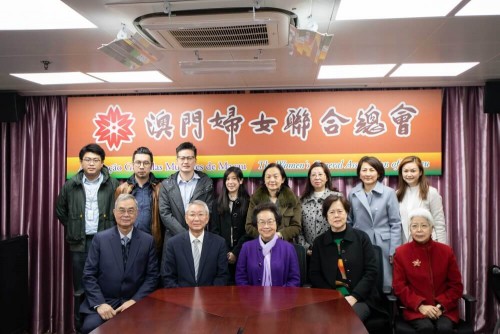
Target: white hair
[{"x": 421, "y": 212}]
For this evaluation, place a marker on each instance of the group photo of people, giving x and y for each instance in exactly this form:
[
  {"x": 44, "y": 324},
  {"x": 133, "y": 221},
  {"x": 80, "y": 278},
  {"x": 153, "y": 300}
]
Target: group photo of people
[{"x": 127, "y": 239}]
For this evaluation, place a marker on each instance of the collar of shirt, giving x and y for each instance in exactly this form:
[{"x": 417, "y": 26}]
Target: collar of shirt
[
  {"x": 192, "y": 237},
  {"x": 180, "y": 180},
  {"x": 98, "y": 180},
  {"x": 129, "y": 234}
]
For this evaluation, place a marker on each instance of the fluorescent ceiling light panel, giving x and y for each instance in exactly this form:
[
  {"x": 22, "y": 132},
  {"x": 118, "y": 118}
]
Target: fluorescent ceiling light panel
[
  {"x": 40, "y": 15},
  {"x": 391, "y": 9},
  {"x": 60, "y": 78},
  {"x": 220, "y": 66},
  {"x": 139, "y": 76},
  {"x": 354, "y": 71},
  {"x": 480, "y": 7},
  {"x": 432, "y": 69}
]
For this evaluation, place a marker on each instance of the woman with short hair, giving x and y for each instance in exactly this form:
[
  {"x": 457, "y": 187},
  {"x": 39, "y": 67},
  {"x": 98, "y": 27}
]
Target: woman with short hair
[
  {"x": 375, "y": 210},
  {"x": 343, "y": 259},
  {"x": 426, "y": 278},
  {"x": 319, "y": 186},
  {"x": 267, "y": 260}
]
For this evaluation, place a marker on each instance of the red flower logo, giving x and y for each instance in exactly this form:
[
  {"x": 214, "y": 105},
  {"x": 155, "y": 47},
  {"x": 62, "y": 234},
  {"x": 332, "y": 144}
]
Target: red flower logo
[{"x": 114, "y": 128}]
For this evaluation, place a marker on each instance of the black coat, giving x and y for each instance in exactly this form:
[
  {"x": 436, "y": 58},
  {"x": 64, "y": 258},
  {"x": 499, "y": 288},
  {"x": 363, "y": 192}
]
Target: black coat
[
  {"x": 359, "y": 262},
  {"x": 234, "y": 222}
]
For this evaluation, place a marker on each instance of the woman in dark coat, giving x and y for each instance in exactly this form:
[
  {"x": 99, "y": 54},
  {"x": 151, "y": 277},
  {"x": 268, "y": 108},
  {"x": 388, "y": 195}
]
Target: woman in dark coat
[
  {"x": 232, "y": 207},
  {"x": 355, "y": 274},
  {"x": 275, "y": 189}
]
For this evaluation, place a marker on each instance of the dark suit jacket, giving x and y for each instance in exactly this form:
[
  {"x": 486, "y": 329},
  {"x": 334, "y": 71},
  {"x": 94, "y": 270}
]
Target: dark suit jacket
[
  {"x": 172, "y": 208},
  {"x": 104, "y": 278},
  {"x": 177, "y": 268}
]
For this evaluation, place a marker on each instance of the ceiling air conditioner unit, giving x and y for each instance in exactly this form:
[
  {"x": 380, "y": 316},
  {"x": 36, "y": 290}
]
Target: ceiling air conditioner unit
[{"x": 248, "y": 30}]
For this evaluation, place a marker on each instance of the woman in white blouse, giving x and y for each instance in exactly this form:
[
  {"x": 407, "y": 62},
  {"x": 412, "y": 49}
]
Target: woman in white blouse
[{"x": 414, "y": 192}]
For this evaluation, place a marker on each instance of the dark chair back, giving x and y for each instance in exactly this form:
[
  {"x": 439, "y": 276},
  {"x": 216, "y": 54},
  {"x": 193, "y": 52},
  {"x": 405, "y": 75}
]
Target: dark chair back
[
  {"x": 302, "y": 256},
  {"x": 402, "y": 327},
  {"x": 494, "y": 278},
  {"x": 379, "y": 323}
]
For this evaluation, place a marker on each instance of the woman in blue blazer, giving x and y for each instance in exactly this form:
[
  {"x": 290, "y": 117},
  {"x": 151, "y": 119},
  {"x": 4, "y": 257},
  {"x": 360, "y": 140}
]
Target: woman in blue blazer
[
  {"x": 267, "y": 260},
  {"x": 375, "y": 210}
]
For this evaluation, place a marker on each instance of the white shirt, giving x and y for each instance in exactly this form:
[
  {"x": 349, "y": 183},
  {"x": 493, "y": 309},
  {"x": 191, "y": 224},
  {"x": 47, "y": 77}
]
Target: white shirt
[{"x": 91, "y": 189}]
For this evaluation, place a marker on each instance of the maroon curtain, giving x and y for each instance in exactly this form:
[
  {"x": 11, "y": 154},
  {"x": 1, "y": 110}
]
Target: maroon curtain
[{"x": 32, "y": 172}]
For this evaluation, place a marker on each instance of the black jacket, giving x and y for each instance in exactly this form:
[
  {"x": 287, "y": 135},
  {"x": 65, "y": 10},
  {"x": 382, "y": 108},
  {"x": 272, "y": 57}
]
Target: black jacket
[
  {"x": 359, "y": 262},
  {"x": 231, "y": 225},
  {"x": 70, "y": 208}
]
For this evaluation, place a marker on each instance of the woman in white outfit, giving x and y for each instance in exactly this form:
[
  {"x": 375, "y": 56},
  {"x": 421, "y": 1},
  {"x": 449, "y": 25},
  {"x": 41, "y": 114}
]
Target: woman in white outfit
[{"x": 415, "y": 192}]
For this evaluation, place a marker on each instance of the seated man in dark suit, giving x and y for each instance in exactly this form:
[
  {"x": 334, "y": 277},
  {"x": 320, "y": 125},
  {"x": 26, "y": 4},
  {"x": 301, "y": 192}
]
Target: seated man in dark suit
[
  {"x": 195, "y": 257},
  {"x": 121, "y": 267}
]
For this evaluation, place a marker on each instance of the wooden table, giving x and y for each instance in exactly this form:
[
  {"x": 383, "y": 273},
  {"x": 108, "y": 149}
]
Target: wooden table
[{"x": 233, "y": 310}]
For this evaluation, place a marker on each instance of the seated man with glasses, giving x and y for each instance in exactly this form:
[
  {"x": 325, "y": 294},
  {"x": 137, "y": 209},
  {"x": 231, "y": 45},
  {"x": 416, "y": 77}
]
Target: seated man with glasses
[
  {"x": 426, "y": 278},
  {"x": 195, "y": 257},
  {"x": 121, "y": 268},
  {"x": 85, "y": 206},
  {"x": 267, "y": 260},
  {"x": 145, "y": 187},
  {"x": 181, "y": 188}
]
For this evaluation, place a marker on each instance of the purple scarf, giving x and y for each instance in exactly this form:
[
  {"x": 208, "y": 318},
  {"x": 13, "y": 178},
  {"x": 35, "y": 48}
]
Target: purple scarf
[{"x": 266, "y": 252}]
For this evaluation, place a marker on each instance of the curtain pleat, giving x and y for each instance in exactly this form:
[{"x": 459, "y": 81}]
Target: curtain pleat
[{"x": 32, "y": 172}]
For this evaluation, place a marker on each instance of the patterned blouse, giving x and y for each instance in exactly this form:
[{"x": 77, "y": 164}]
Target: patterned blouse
[{"x": 313, "y": 222}]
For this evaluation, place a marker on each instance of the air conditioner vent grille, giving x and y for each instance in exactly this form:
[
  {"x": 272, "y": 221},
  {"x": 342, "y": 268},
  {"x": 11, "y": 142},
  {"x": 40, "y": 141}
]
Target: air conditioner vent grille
[{"x": 222, "y": 37}]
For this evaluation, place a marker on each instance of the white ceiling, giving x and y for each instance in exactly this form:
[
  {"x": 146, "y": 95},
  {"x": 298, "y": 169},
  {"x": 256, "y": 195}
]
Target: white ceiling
[{"x": 448, "y": 39}]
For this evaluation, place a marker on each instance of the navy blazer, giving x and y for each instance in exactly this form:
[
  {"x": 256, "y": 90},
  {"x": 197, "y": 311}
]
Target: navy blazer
[
  {"x": 177, "y": 269},
  {"x": 105, "y": 280}
]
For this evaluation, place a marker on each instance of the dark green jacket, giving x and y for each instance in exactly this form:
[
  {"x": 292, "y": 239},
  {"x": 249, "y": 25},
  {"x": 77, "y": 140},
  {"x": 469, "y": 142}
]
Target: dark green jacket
[{"x": 70, "y": 208}]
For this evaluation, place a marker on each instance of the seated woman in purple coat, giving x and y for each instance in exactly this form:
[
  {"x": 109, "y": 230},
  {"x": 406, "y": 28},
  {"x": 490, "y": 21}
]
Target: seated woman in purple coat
[{"x": 267, "y": 260}]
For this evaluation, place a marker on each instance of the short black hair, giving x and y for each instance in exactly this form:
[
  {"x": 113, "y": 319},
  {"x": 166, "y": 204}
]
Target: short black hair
[
  {"x": 327, "y": 203},
  {"x": 186, "y": 146},
  {"x": 375, "y": 163},
  {"x": 92, "y": 148},
  {"x": 266, "y": 206},
  {"x": 143, "y": 150}
]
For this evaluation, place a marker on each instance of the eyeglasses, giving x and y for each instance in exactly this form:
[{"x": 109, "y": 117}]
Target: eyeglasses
[
  {"x": 143, "y": 163},
  {"x": 190, "y": 158},
  {"x": 263, "y": 223},
  {"x": 129, "y": 211},
  {"x": 199, "y": 215},
  {"x": 90, "y": 160},
  {"x": 423, "y": 226},
  {"x": 336, "y": 212}
]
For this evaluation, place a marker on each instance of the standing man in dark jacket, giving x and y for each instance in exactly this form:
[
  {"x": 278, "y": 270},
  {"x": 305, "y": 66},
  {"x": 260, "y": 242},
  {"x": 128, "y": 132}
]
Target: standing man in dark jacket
[
  {"x": 85, "y": 206},
  {"x": 181, "y": 188},
  {"x": 145, "y": 187}
]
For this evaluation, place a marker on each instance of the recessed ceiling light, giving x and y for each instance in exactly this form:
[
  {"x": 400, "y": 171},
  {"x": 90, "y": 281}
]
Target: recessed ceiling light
[
  {"x": 139, "y": 76},
  {"x": 480, "y": 7},
  {"x": 432, "y": 69},
  {"x": 354, "y": 71},
  {"x": 391, "y": 9},
  {"x": 40, "y": 15},
  {"x": 59, "y": 78}
]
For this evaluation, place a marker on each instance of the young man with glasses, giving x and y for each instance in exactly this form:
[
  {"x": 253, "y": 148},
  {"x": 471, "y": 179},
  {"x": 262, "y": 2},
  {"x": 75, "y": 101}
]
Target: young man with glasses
[
  {"x": 181, "y": 188},
  {"x": 145, "y": 187},
  {"x": 85, "y": 206}
]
